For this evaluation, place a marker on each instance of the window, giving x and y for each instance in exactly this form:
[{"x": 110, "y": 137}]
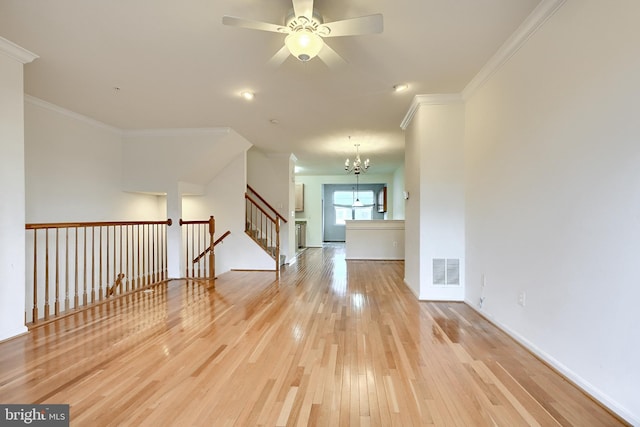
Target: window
[
  {"x": 342, "y": 214},
  {"x": 337, "y": 207},
  {"x": 362, "y": 212},
  {"x": 344, "y": 209}
]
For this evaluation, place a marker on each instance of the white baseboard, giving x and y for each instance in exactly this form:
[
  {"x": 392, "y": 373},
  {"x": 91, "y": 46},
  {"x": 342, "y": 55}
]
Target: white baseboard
[
  {"x": 574, "y": 378},
  {"x": 411, "y": 289},
  {"x": 19, "y": 331}
]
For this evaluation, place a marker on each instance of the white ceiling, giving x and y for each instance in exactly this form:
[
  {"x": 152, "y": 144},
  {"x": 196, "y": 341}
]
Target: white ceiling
[{"x": 177, "y": 66}]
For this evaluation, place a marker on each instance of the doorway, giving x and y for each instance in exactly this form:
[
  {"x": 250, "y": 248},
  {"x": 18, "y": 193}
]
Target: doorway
[{"x": 338, "y": 200}]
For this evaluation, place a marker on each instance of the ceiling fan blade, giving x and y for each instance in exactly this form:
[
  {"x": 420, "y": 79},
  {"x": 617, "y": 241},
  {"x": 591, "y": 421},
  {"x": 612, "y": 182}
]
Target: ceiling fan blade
[
  {"x": 352, "y": 27},
  {"x": 331, "y": 57},
  {"x": 280, "y": 56},
  {"x": 303, "y": 8},
  {"x": 253, "y": 25}
]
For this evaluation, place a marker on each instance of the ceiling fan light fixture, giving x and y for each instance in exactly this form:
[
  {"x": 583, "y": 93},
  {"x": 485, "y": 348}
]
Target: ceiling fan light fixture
[{"x": 304, "y": 44}]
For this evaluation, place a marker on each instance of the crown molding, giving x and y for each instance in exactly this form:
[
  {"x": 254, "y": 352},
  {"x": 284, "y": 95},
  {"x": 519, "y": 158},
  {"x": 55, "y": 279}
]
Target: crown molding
[
  {"x": 123, "y": 132},
  {"x": 534, "y": 21},
  {"x": 55, "y": 108},
  {"x": 16, "y": 52},
  {"x": 531, "y": 24},
  {"x": 433, "y": 99}
]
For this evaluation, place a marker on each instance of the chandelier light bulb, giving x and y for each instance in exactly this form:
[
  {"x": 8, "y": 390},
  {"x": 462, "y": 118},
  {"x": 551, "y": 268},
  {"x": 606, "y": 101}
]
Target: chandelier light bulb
[{"x": 358, "y": 165}]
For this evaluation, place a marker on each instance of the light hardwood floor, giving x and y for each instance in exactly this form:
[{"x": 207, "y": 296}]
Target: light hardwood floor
[{"x": 332, "y": 343}]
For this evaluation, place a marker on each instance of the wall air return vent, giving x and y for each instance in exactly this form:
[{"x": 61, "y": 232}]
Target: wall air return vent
[{"x": 446, "y": 271}]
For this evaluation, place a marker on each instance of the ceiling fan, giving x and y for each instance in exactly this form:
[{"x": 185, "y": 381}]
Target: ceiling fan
[{"x": 306, "y": 29}]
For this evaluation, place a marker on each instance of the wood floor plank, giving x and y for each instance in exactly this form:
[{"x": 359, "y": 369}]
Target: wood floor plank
[{"x": 324, "y": 345}]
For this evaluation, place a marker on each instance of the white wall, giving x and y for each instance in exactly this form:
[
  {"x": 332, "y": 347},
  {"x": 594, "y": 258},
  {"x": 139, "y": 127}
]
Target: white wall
[
  {"x": 272, "y": 177},
  {"x": 12, "y": 193},
  {"x": 224, "y": 199},
  {"x": 413, "y": 227},
  {"x": 442, "y": 196},
  {"x": 157, "y": 160},
  {"x": 376, "y": 239},
  {"x": 435, "y": 173},
  {"x": 313, "y": 198},
  {"x": 74, "y": 170},
  {"x": 553, "y": 190}
]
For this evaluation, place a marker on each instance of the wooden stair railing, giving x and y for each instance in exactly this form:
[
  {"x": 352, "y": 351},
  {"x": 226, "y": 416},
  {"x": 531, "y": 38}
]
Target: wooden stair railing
[
  {"x": 206, "y": 251},
  {"x": 261, "y": 231},
  {"x": 111, "y": 291},
  {"x": 266, "y": 204},
  {"x": 198, "y": 239},
  {"x": 87, "y": 257},
  {"x": 264, "y": 229}
]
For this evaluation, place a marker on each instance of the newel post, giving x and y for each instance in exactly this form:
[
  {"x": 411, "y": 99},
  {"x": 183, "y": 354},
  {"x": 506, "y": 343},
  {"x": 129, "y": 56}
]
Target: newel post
[
  {"x": 212, "y": 256},
  {"x": 277, "y": 248}
]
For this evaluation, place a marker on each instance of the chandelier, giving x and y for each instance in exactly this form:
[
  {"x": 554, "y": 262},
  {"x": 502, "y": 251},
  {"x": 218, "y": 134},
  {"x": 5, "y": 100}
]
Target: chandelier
[{"x": 357, "y": 165}]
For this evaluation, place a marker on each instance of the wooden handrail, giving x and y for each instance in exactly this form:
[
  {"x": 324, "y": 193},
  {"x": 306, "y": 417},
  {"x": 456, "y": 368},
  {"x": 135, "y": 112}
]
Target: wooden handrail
[
  {"x": 246, "y": 196},
  {"x": 220, "y": 239},
  {"x": 117, "y": 284},
  {"x": 201, "y": 221},
  {"x": 93, "y": 224},
  {"x": 266, "y": 203}
]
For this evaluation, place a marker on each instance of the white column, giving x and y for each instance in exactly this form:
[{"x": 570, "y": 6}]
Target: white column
[
  {"x": 291, "y": 212},
  {"x": 175, "y": 262},
  {"x": 435, "y": 210},
  {"x": 12, "y": 207}
]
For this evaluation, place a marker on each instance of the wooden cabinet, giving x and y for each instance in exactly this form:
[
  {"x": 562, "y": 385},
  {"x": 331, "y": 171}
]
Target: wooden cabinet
[{"x": 299, "y": 197}]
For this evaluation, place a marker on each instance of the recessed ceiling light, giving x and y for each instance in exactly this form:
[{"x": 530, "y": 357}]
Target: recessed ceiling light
[
  {"x": 400, "y": 87},
  {"x": 274, "y": 121},
  {"x": 247, "y": 95}
]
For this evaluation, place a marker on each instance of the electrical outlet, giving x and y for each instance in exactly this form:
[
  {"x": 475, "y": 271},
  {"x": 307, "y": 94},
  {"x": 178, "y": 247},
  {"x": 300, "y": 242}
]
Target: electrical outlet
[
  {"x": 481, "y": 302},
  {"x": 522, "y": 298},
  {"x": 395, "y": 244}
]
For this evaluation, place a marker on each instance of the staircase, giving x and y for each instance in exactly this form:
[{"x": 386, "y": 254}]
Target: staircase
[
  {"x": 262, "y": 224},
  {"x": 263, "y": 242}
]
